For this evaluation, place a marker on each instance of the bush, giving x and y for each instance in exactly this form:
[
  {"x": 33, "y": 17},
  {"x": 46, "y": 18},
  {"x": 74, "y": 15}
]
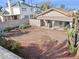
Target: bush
[
  {"x": 2, "y": 34},
  {"x": 11, "y": 45},
  {"x": 7, "y": 29},
  {"x": 24, "y": 26},
  {"x": 72, "y": 49}
]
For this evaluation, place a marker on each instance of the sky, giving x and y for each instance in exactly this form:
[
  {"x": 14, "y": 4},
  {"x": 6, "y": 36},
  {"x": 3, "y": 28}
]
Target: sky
[{"x": 69, "y": 4}]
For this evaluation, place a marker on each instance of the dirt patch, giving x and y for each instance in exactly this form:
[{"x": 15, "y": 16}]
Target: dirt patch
[{"x": 38, "y": 43}]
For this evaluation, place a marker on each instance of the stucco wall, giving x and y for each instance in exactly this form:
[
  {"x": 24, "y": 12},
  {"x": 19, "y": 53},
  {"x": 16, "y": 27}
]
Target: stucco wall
[
  {"x": 16, "y": 10},
  {"x": 34, "y": 22}
]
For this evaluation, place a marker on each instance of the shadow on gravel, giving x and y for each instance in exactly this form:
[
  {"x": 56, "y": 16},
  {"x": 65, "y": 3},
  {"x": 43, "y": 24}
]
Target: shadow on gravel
[{"x": 47, "y": 50}]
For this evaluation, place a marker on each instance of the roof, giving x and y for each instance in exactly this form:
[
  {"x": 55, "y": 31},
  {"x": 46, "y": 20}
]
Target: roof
[
  {"x": 20, "y": 4},
  {"x": 62, "y": 11},
  {"x": 5, "y": 12},
  {"x": 56, "y": 18}
]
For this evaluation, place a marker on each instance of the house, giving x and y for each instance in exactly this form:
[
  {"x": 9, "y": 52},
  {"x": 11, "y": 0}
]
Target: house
[
  {"x": 20, "y": 10},
  {"x": 54, "y": 18}
]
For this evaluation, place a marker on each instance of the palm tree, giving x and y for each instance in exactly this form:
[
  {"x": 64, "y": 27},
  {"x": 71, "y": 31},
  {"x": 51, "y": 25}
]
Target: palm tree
[
  {"x": 62, "y": 6},
  {"x": 45, "y": 6},
  {"x": 73, "y": 34},
  {"x": 75, "y": 15},
  {"x": 70, "y": 34},
  {"x": 0, "y": 9}
]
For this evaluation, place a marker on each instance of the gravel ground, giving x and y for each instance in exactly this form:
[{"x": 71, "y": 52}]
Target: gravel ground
[{"x": 36, "y": 35}]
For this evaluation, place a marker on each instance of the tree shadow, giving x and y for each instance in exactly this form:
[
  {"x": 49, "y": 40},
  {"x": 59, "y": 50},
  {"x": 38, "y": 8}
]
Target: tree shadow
[
  {"x": 16, "y": 33},
  {"x": 49, "y": 50},
  {"x": 31, "y": 52}
]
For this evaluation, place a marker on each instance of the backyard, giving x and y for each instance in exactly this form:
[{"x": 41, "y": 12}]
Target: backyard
[
  {"x": 40, "y": 43},
  {"x": 35, "y": 35}
]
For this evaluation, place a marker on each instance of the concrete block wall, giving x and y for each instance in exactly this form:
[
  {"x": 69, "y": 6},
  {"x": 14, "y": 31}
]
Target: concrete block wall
[
  {"x": 12, "y": 23},
  {"x": 34, "y": 22}
]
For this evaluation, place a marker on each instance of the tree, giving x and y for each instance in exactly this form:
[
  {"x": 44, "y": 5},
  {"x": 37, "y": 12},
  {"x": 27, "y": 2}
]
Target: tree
[
  {"x": 0, "y": 9},
  {"x": 45, "y": 6},
  {"x": 70, "y": 33},
  {"x": 62, "y": 6},
  {"x": 73, "y": 34},
  {"x": 23, "y": 0},
  {"x": 75, "y": 15}
]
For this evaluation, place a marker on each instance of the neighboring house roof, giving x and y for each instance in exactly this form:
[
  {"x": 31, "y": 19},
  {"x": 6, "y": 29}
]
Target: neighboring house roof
[
  {"x": 20, "y": 4},
  {"x": 5, "y": 12},
  {"x": 62, "y": 11}
]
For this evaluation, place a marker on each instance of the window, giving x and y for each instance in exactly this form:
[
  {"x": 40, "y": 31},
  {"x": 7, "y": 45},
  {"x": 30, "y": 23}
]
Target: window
[
  {"x": 42, "y": 23},
  {"x": 26, "y": 16},
  {"x": 15, "y": 17},
  {"x": 66, "y": 24},
  {"x": 23, "y": 9},
  {"x": 31, "y": 16},
  {"x": 31, "y": 9},
  {"x": 60, "y": 23}
]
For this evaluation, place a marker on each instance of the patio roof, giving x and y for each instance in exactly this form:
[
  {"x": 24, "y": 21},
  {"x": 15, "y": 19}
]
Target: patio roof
[
  {"x": 62, "y": 11},
  {"x": 56, "y": 18},
  {"x": 11, "y": 15}
]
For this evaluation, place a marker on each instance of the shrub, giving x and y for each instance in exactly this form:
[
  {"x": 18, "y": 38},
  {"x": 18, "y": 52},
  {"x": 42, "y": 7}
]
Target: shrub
[
  {"x": 7, "y": 29},
  {"x": 1, "y": 34},
  {"x": 11, "y": 45},
  {"x": 24, "y": 26},
  {"x": 72, "y": 49}
]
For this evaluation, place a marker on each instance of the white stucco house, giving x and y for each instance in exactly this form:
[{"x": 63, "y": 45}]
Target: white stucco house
[
  {"x": 20, "y": 10},
  {"x": 54, "y": 18}
]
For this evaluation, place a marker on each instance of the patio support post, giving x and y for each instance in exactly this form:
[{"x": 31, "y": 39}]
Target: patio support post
[
  {"x": 53, "y": 22},
  {"x": 70, "y": 25},
  {"x": 45, "y": 23}
]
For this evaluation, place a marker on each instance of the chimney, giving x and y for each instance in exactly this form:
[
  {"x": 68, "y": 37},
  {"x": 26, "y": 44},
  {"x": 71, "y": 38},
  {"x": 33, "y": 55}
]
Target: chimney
[{"x": 10, "y": 7}]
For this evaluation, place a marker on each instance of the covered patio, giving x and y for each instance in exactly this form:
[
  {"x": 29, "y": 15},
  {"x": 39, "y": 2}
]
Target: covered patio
[{"x": 55, "y": 22}]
